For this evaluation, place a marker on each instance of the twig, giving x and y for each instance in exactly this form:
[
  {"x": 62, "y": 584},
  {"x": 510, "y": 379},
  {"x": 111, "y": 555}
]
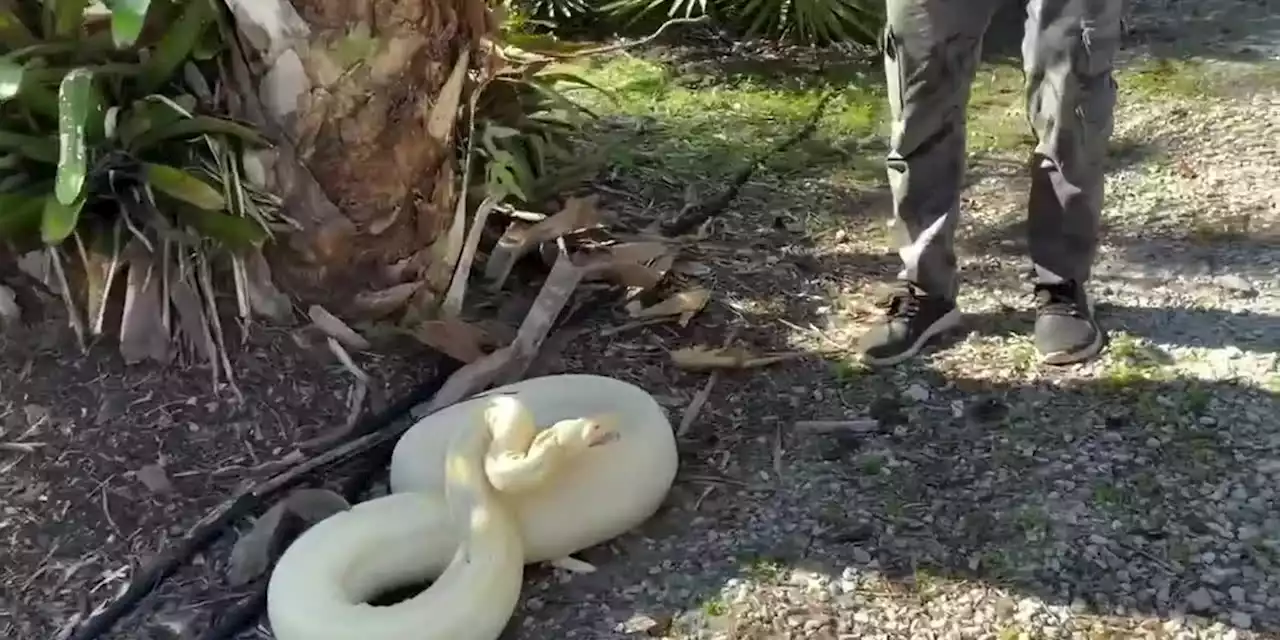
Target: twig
[
  {"x": 21, "y": 447},
  {"x": 695, "y": 406},
  {"x": 695, "y": 213},
  {"x": 362, "y": 382},
  {"x": 64, "y": 289}
]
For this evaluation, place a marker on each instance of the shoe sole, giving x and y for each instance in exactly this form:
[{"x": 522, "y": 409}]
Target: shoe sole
[
  {"x": 1059, "y": 358},
  {"x": 947, "y": 322}
]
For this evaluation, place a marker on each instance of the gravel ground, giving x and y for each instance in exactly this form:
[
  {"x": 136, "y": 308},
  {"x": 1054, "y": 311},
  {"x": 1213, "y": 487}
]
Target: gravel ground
[{"x": 975, "y": 494}]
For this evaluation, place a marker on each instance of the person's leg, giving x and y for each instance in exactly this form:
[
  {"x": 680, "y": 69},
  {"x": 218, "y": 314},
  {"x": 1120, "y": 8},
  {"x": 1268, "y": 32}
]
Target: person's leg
[
  {"x": 931, "y": 50},
  {"x": 1068, "y": 52}
]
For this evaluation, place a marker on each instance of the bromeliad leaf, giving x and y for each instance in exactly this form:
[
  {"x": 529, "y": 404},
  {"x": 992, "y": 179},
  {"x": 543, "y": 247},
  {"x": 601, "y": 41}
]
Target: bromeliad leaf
[
  {"x": 199, "y": 125},
  {"x": 11, "y": 73},
  {"x": 19, "y": 214},
  {"x": 235, "y": 232},
  {"x": 183, "y": 186},
  {"x": 38, "y": 149},
  {"x": 58, "y": 220},
  {"x": 75, "y": 103},
  {"x": 177, "y": 44},
  {"x": 127, "y": 19}
]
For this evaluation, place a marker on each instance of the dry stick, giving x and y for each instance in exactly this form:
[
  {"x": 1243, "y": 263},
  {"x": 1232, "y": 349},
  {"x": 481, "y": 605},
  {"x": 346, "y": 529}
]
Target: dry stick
[{"x": 696, "y": 213}]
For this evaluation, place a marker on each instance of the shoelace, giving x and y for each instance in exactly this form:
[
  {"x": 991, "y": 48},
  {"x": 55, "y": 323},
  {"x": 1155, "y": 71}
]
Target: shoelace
[
  {"x": 901, "y": 302},
  {"x": 1057, "y": 299}
]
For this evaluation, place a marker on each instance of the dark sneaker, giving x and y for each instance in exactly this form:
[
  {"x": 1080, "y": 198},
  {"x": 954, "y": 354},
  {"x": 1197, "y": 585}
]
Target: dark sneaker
[
  {"x": 911, "y": 319},
  {"x": 1066, "y": 331}
]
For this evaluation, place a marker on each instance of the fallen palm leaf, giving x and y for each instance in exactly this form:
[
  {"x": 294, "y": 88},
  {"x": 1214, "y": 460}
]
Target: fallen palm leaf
[
  {"x": 142, "y": 331},
  {"x": 454, "y": 338},
  {"x": 685, "y": 304},
  {"x": 639, "y": 266},
  {"x": 458, "y": 287},
  {"x": 510, "y": 363},
  {"x": 383, "y": 302},
  {"x": 440, "y": 126},
  {"x": 264, "y": 297},
  {"x": 518, "y": 241},
  {"x": 336, "y": 329},
  {"x": 702, "y": 358}
]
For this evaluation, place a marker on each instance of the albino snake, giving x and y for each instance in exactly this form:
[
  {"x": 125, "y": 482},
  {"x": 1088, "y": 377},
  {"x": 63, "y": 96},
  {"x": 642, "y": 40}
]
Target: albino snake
[{"x": 471, "y": 504}]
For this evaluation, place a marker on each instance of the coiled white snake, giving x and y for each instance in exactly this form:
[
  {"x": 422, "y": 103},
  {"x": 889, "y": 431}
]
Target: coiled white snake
[{"x": 471, "y": 504}]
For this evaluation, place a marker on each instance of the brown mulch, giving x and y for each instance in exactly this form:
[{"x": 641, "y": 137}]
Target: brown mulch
[{"x": 103, "y": 465}]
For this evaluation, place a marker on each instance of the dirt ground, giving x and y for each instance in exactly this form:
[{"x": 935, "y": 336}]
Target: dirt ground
[{"x": 105, "y": 465}]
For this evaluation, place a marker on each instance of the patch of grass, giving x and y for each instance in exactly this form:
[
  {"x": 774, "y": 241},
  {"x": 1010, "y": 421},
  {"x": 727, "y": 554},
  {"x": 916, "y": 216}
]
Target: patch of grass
[
  {"x": 1110, "y": 496},
  {"x": 926, "y": 584},
  {"x": 995, "y": 564},
  {"x": 997, "y": 122},
  {"x": 871, "y": 464},
  {"x": 1163, "y": 78},
  {"x": 695, "y": 128},
  {"x": 1196, "y": 398},
  {"x": 1132, "y": 362},
  {"x": 763, "y": 570},
  {"x": 708, "y": 130},
  {"x": 1272, "y": 383},
  {"x": 715, "y": 608},
  {"x": 1012, "y": 632},
  {"x": 1032, "y": 521},
  {"x": 849, "y": 371},
  {"x": 1189, "y": 79}
]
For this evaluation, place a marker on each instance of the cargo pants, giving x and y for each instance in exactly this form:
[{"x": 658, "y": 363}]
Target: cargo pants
[{"x": 931, "y": 50}]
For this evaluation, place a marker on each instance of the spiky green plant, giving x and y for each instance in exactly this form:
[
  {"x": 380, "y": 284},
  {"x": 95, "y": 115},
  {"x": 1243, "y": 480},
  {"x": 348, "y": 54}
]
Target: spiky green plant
[
  {"x": 808, "y": 21},
  {"x": 117, "y": 168}
]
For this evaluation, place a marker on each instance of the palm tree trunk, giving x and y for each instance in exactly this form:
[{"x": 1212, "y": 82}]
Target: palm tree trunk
[{"x": 349, "y": 87}]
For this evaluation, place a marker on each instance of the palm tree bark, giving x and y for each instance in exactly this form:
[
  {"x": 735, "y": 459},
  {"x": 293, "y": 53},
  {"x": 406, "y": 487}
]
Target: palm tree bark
[{"x": 347, "y": 87}]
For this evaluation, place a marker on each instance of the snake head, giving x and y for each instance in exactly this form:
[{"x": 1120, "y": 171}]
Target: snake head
[{"x": 588, "y": 432}]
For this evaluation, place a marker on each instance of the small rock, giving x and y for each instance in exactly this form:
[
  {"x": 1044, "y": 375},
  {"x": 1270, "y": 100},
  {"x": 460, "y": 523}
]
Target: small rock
[
  {"x": 1200, "y": 601},
  {"x": 154, "y": 478},
  {"x": 917, "y": 392},
  {"x": 1238, "y": 285},
  {"x": 861, "y": 556},
  {"x": 644, "y": 624},
  {"x": 1241, "y": 620}
]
